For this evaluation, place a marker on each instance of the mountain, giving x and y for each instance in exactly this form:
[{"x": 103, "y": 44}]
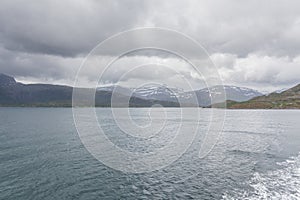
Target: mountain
[
  {"x": 160, "y": 92},
  {"x": 6, "y": 80},
  {"x": 150, "y": 91},
  {"x": 288, "y": 99},
  {"x": 115, "y": 88},
  {"x": 13, "y": 93},
  {"x": 165, "y": 93},
  {"x": 155, "y": 92},
  {"x": 233, "y": 93},
  {"x": 280, "y": 90}
]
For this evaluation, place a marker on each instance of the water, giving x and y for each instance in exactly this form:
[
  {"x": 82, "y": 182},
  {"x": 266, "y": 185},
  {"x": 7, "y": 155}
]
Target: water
[{"x": 256, "y": 157}]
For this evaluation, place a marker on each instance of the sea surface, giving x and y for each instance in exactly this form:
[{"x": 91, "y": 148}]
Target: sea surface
[{"x": 257, "y": 156}]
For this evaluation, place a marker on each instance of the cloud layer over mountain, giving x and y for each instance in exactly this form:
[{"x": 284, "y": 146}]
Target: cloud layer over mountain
[{"x": 253, "y": 43}]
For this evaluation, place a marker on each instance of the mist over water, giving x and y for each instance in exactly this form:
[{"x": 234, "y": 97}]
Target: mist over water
[{"x": 256, "y": 156}]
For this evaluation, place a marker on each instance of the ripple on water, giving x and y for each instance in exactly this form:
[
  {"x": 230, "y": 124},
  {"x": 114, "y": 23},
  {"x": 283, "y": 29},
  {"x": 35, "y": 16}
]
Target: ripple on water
[{"x": 283, "y": 183}]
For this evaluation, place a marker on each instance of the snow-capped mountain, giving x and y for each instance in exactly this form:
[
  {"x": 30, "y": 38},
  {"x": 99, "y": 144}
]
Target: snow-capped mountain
[
  {"x": 204, "y": 96},
  {"x": 233, "y": 93},
  {"x": 240, "y": 93},
  {"x": 158, "y": 92},
  {"x": 280, "y": 90}
]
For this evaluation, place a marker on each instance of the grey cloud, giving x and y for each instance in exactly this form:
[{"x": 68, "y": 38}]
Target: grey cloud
[
  {"x": 260, "y": 70},
  {"x": 237, "y": 27},
  {"x": 145, "y": 68},
  {"x": 38, "y": 66},
  {"x": 69, "y": 28},
  {"x": 50, "y": 38},
  {"x": 65, "y": 28}
]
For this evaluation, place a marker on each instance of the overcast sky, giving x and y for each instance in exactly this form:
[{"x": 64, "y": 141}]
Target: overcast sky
[{"x": 253, "y": 43}]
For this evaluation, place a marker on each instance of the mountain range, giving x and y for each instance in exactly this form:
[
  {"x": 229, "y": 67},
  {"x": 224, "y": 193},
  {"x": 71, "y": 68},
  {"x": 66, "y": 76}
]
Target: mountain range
[
  {"x": 203, "y": 96},
  {"x": 13, "y": 93}
]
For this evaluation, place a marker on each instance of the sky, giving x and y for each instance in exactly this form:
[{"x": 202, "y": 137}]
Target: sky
[{"x": 252, "y": 43}]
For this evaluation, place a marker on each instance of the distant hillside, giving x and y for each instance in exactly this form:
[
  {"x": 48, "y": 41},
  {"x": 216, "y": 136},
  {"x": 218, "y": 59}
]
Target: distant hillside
[
  {"x": 13, "y": 93},
  {"x": 288, "y": 99}
]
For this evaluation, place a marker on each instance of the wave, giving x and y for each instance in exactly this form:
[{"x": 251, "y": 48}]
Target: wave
[{"x": 283, "y": 183}]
